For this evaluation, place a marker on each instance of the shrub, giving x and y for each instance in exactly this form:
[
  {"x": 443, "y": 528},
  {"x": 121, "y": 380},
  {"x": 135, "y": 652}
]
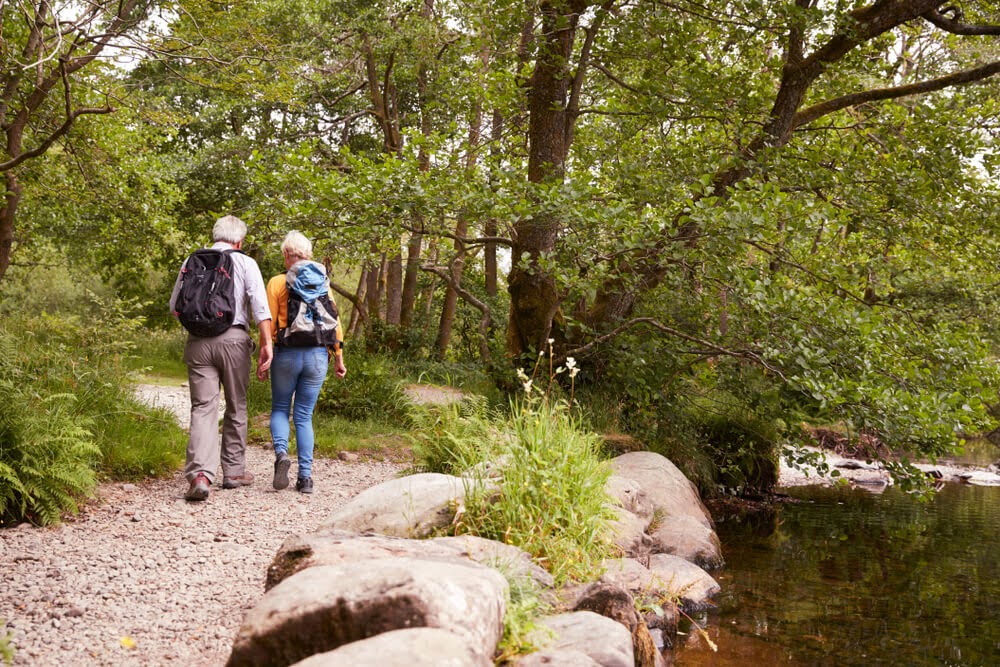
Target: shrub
[
  {"x": 371, "y": 389},
  {"x": 541, "y": 482},
  {"x": 68, "y": 416},
  {"x": 46, "y": 450}
]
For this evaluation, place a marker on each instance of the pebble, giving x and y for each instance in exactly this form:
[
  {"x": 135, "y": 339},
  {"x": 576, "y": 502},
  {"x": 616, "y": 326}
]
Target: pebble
[{"x": 142, "y": 577}]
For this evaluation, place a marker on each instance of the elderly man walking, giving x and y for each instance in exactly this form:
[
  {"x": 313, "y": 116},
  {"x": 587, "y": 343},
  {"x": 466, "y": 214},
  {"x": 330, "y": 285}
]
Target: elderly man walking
[{"x": 215, "y": 357}]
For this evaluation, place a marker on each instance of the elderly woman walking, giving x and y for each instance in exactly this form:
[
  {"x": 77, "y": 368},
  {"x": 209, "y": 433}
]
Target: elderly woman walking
[{"x": 308, "y": 336}]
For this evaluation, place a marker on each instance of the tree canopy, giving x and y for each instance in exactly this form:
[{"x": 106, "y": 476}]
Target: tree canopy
[{"x": 792, "y": 203}]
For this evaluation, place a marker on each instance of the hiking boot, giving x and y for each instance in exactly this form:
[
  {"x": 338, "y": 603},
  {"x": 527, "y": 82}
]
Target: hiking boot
[
  {"x": 304, "y": 485},
  {"x": 199, "y": 488},
  {"x": 232, "y": 482},
  {"x": 281, "y": 466}
]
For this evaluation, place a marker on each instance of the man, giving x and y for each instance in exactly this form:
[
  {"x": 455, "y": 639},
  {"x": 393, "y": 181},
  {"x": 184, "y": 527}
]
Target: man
[{"x": 225, "y": 359}]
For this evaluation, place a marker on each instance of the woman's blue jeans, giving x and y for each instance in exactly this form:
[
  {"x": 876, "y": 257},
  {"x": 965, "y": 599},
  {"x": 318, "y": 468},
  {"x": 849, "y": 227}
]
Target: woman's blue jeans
[{"x": 298, "y": 372}]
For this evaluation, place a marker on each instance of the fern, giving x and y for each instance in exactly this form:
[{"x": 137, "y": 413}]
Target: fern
[{"x": 46, "y": 450}]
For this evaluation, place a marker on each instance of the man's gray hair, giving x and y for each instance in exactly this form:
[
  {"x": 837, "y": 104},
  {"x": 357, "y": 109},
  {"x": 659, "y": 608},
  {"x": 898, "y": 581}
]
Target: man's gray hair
[
  {"x": 229, "y": 229},
  {"x": 297, "y": 245}
]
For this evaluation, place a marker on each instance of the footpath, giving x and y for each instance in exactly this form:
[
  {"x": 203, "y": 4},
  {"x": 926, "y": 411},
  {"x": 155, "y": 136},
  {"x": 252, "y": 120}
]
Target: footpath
[{"x": 142, "y": 577}]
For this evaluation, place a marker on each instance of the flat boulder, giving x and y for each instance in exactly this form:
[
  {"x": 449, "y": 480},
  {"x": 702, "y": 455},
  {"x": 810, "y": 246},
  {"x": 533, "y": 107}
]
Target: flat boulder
[
  {"x": 606, "y": 642},
  {"x": 413, "y": 506},
  {"x": 683, "y": 535},
  {"x": 337, "y": 547},
  {"x": 325, "y": 607},
  {"x": 667, "y": 577},
  {"x": 679, "y": 521},
  {"x": 412, "y": 647}
]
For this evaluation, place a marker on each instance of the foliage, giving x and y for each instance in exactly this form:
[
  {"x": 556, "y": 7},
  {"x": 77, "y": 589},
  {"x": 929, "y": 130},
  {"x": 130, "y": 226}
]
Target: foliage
[
  {"x": 455, "y": 437},
  {"x": 370, "y": 389},
  {"x": 845, "y": 261},
  {"x": 540, "y": 482},
  {"x": 159, "y": 353},
  {"x": 47, "y": 456},
  {"x": 68, "y": 413},
  {"x": 524, "y": 605}
]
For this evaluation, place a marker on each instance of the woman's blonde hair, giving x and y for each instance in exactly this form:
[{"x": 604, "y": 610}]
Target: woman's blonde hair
[{"x": 297, "y": 245}]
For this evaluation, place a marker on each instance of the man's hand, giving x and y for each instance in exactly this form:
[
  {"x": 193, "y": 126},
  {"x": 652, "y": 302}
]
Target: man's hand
[
  {"x": 264, "y": 361},
  {"x": 266, "y": 349}
]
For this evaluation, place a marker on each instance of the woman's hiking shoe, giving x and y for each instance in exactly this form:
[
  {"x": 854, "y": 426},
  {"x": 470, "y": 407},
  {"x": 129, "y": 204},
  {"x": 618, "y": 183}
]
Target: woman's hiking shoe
[
  {"x": 304, "y": 485},
  {"x": 281, "y": 466},
  {"x": 199, "y": 488},
  {"x": 232, "y": 482}
]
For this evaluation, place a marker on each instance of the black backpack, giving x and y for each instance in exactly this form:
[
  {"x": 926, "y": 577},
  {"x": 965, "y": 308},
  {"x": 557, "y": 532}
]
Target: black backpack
[
  {"x": 206, "y": 302},
  {"x": 312, "y": 316}
]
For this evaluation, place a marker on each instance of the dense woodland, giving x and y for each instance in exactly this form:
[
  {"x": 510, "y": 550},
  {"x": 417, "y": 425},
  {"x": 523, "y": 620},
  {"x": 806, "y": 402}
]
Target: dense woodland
[{"x": 737, "y": 218}]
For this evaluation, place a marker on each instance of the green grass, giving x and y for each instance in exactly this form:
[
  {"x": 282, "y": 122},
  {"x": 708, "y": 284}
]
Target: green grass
[
  {"x": 543, "y": 490},
  {"x": 371, "y": 439},
  {"x": 158, "y": 355}
]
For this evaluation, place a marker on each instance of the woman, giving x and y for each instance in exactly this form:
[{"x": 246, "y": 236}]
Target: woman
[{"x": 297, "y": 371}]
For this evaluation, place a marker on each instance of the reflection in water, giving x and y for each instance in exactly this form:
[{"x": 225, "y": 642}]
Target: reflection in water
[{"x": 850, "y": 578}]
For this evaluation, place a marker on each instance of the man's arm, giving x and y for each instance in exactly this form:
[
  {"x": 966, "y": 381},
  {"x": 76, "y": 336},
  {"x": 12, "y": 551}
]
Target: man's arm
[{"x": 266, "y": 349}]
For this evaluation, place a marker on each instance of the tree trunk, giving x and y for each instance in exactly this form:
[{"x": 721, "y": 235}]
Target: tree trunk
[
  {"x": 415, "y": 243},
  {"x": 7, "y": 213},
  {"x": 408, "y": 299},
  {"x": 450, "y": 308},
  {"x": 394, "y": 289},
  {"x": 490, "y": 230},
  {"x": 533, "y": 294},
  {"x": 359, "y": 314}
]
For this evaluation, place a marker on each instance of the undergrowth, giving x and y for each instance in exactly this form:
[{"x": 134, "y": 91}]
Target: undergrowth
[
  {"x": 536, "y": 478},
  {"x": 67, "y": 414}
]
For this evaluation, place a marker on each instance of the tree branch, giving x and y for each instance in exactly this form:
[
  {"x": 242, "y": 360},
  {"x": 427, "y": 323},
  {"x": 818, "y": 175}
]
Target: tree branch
[
  {"x": 956, "y": 27},
  {"x": 71, "y": 117},
  {"x": 482, "y": 306},
  {"x": 959, "y": 78},
  {"x": 654, "y": 323}
]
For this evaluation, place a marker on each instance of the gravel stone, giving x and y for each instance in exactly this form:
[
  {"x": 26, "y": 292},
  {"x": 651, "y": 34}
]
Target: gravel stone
[{"x": 142, "y": 577}]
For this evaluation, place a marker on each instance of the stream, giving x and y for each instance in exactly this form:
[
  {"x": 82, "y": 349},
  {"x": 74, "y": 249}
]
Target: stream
[{"x": 841, "y": 576}]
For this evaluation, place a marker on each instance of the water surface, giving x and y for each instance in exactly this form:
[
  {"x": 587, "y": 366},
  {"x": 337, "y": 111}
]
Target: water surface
[{"x": 846, "y": 577}]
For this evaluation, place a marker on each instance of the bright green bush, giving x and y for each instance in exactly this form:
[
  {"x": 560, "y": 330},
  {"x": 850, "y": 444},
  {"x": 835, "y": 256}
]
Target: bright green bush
[
  {"x": 67, "y": 413},
  {"x": 454, "y": 437},
  {"x": 542, "y": 479},
  {"x": 47, "y": 452},
  {"x": 372, "y": 388}
]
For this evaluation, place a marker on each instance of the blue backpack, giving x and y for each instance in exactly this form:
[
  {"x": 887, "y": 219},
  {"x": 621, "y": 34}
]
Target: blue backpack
[{"x": 312, "y": 316}]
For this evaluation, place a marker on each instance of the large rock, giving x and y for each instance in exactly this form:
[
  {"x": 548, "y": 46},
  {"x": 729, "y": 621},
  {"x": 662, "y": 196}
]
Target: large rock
[
  {"x": 606, "y": 642},
  {"x": 685, "y": 536},
  {"x": 616, "y": 603},
  {"x": 413, "y": 506},
  {"x": 694, "y": 586},
  {"x": 679, "y": 522},
  {"x": 414, "y": 647},
  {"x": 322, "y": 608},
  {"x": 557, "y": 658},
  {"x": 668, "y": 577},
  {"x": 336, "y": 547},
  {"x": 628, "y": 533}
]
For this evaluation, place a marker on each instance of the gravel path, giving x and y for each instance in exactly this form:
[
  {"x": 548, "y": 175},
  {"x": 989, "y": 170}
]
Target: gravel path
[{"x": 142, "y": 577}]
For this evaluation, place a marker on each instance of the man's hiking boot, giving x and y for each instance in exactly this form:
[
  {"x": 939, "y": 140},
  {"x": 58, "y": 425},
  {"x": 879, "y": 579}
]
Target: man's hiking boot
[
  {"x": 304, "y": 485},
  {"x": 232, "y": 482},
  {"x": 199, "y": 488},
  {"x": 281, "y": 466}
]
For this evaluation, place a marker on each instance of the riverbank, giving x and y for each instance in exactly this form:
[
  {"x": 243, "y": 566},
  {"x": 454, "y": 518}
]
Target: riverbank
[{"x": 874, "y": 477}]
